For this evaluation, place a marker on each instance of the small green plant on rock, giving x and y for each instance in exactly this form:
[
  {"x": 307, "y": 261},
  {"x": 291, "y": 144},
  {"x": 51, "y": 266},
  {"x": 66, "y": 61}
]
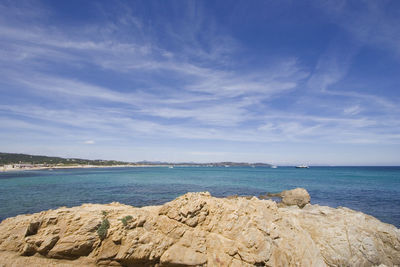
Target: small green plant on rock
[
  {"x": 126, "y": 219},
  {"x": 103, "y": 228}
]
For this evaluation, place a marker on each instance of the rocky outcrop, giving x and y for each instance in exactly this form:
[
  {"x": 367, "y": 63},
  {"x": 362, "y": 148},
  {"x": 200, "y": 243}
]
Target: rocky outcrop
[
  {"x": 298, "y": 197},
  {"x": 197, "y": 229}
]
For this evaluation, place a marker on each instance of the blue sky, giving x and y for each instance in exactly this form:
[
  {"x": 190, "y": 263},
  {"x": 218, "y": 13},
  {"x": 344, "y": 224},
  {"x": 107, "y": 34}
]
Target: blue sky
[{"x": 284, "y": 82}]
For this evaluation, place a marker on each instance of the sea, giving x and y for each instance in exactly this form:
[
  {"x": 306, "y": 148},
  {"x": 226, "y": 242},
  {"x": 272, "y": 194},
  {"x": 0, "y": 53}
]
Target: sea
[{"x": 372, "y": 190}]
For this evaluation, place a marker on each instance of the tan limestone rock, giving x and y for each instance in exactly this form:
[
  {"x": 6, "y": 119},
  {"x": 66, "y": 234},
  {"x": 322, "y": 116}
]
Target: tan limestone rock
[
  {"x": 298, "y": 196},
  {"x": 48, "y": 244},
  {"x": 197, "y": 229}
]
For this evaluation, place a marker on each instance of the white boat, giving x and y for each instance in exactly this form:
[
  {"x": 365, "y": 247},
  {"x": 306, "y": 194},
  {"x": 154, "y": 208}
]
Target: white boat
[
  {"x": 302, "y": 166},
  {"x": 171, "y": 167},
  {"x": 274, "y": 167}
]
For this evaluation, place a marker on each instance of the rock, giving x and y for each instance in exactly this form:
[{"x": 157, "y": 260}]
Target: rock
[
  {"x": 72, "y": 247},
  {"x": 32, "y": 228},
  {"x": 298, "y": 196},
  {"x": 192, "y": 209},
  {"x": 197, "y": 229},
  {"x": 29, "y": 249},
  {"x": 108, "y": 251},
  {"x": 295, "y": 197},
  {"x": 48, "y": 244},
  {"x": 183, "y": 256}
]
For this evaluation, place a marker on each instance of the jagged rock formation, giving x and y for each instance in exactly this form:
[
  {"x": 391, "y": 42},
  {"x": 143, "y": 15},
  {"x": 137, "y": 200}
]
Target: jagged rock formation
[{"x": 197, "y": 229}]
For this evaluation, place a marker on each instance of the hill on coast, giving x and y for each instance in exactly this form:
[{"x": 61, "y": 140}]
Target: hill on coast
[{"x": 15, "y": 158}]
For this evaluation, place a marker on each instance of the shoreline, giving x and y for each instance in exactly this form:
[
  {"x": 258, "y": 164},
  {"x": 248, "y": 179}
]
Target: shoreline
[
  {"x": 84, "y": 167},
  {"x": 3, "y": 169}
]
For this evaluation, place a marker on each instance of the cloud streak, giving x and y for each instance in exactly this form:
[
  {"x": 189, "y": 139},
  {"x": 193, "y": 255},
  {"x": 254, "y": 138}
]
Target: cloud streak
[{"x": 124, "y": 78}]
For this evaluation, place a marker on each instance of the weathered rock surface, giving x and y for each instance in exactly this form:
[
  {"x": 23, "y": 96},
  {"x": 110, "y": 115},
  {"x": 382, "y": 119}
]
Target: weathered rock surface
[
  {"x": 197, "y": 229},
  {"x": 298, "y": 196}
]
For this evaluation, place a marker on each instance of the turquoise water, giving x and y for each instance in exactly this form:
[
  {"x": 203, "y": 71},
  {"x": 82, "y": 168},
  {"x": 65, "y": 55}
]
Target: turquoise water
[{"x": 373, "y": 190}]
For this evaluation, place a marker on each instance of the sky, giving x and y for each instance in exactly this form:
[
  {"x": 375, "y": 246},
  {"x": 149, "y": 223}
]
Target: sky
[{"x": 281, "y": 82}]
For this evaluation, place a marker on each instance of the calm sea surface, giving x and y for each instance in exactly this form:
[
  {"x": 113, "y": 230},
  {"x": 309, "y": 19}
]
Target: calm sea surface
[{"x": 372, "y": 190}]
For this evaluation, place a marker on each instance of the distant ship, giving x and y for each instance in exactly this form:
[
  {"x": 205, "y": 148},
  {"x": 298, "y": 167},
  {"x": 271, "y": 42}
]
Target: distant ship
[
  {"x": 274, "y": 166},
  {"x": 302, "y": 166}
]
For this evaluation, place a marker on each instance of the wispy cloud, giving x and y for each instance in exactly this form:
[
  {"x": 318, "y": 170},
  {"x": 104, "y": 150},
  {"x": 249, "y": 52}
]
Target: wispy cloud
[
  {"x": 124, "y": 78},
  {"x": 353, "y": 110},
  {"x": 374, "y": 23}
]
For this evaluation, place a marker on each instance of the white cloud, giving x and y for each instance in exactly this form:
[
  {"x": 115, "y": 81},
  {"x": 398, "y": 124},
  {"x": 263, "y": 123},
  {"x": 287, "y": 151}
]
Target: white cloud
[
  {"x": 192, "y": 92},
  {"x": 353, "y": 110},
  {"x": 116, "y": 124},
  {"x": 205, "y": 93},
  {"x": 370, "y": 23}
]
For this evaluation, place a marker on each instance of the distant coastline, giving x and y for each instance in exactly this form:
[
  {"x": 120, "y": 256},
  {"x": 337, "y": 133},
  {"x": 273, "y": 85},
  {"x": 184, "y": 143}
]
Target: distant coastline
[
  {"x": 170, "y": 165},
  {"x": 21, "y": 162},
  {"x": 7, "y": 168}
]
